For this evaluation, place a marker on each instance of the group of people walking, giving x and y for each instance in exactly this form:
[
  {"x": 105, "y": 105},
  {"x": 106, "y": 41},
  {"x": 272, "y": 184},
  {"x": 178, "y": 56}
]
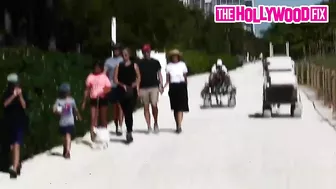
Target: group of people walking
[{"x": 119, "y": 81}]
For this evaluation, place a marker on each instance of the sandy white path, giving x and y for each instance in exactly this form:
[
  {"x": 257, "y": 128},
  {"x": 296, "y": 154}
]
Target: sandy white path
[{"x": 219, "y": 148}]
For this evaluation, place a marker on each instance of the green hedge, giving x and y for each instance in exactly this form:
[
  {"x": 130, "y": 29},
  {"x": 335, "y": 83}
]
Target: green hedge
[
  {"x": 200, "y": 62},
  {"x": 40, "y": 74}
]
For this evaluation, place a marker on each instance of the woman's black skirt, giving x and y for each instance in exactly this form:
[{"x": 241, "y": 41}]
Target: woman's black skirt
[{"x": 178, "y": 95}]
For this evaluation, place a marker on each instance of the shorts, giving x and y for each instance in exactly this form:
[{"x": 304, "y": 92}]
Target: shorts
[
  {"x": 99, "y": 102},
  {"x": 149, "y": 95},
  {"x": 113, "y": 96},
  {"x": 69, "y": 129}
]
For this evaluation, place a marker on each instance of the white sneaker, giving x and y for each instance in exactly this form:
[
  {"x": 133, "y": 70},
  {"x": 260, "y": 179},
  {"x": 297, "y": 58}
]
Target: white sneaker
[{"x": 119, "y": 131}]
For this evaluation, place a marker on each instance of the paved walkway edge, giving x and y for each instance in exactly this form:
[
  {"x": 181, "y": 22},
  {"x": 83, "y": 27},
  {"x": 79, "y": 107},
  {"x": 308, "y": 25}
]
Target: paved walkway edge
[{"x": 325, "y": 112}]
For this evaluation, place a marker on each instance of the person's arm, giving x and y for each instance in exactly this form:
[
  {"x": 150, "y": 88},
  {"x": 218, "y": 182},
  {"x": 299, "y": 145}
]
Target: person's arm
[
  {"x": 159, "y": 74},
  {"x": 86, "y": 91},
  {"x": 167, "y": 80},
  {"x": 9, "y": 99},
  {"x": 138, "y": 76},
  {"x": 78, "y": 116},
  {"x": 22, "y": 100},
  {"x": 55, "y": 106},
  {"x": 167, "y": 77},
  {"x": 185, "y": 72},
  {"x": 106, "y": 68},
  {"x": 108, "y": 85}
]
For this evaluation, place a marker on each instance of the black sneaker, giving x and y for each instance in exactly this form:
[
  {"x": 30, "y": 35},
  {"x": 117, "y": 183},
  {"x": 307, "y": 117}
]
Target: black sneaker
[
  {"x": 12, "y": 173},
  {"x": 129, "y": 138},
  {"x": 19, "y": 170}
]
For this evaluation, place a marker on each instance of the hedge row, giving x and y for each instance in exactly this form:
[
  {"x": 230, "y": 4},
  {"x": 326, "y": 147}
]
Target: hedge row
[
  {"x": 200, "y": 62},
  {"x": 42, "y": 72},
  {"x": 40, "y": 75}
]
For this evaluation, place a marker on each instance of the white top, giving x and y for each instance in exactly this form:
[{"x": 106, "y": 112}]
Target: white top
[
  {"x": 176, "y": 71},
  {"x": 214, "y": 68}
]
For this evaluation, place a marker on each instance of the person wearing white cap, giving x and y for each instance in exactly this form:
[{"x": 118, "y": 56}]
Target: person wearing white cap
[
  {"x": 218, "y": 66},
  {"x": 14, "y": 104}
]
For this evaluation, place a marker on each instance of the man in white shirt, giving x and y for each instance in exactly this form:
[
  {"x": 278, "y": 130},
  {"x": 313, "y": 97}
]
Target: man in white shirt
[{"x": 218, "y": 66}]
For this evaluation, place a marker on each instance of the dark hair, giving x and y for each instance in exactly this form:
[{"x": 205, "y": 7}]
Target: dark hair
[
  {"x": 98, "y": 63},
  {"x": 11, "y": 86},
  {"x": 62, "y": 94},
  {"x": 117, "y": 46},
  {"x": 170, "y": 58}
]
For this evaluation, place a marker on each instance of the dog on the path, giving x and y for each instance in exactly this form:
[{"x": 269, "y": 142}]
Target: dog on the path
[{"x": 102, "y": 138}]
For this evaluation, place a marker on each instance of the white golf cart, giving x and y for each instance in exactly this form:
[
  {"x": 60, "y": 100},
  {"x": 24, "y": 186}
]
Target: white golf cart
[{"x": 280, "y": 85}]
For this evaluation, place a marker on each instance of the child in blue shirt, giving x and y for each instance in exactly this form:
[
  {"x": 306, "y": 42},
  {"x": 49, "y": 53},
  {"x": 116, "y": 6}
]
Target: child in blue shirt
[{"x": 65, "y": 106}]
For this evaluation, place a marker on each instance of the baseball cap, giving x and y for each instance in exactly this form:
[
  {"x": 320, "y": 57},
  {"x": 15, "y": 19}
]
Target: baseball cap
[
  {"x": 13, "y": 78},
  {"x": 65, "y": 88},
  {"x": 146, "y": 47}
]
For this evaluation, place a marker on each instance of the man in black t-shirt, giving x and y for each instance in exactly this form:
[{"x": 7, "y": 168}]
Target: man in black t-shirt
[{"x": 150, "y": 86}]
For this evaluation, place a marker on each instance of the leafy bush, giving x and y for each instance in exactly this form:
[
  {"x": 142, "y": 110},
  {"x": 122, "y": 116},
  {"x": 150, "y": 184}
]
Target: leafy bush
[{"x": 200, "y": 62}]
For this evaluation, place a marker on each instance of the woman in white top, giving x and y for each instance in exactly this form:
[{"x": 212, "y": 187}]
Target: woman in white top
[{"x": 177, "y": 81}]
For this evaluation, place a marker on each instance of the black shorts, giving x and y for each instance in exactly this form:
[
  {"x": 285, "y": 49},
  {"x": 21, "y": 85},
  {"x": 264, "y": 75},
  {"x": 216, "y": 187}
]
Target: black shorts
[
  {"x": 113, "y": 96},
  {"x": 69, "y": 129},
  {"x": 99, "y": 102}
]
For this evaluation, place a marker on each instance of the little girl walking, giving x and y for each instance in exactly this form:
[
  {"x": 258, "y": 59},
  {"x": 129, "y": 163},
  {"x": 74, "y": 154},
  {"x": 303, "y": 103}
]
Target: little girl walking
[
  {"x": 65, "y": 106},
  {"x": 98, "y": 85}
]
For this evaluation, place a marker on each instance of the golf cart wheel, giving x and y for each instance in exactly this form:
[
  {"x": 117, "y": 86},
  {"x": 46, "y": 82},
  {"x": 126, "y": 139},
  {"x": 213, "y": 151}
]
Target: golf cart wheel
[
  {"x": 296, "y": 110},
  {"x": 267, "y": 113}
]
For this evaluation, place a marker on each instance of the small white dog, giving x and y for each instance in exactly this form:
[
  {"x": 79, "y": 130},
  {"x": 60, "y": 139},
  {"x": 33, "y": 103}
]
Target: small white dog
[{"x": 102, "y": 138}]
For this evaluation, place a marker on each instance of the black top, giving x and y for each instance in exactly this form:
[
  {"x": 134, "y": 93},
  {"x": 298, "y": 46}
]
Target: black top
[
  {"x": 127, "y": 74},
  {"x": 14, "y": 112},
  {"x": 148, "y": 70}
]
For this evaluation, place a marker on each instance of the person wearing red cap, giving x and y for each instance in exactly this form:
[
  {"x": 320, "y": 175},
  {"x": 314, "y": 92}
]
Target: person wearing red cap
[{"x": 150, "y": 86}]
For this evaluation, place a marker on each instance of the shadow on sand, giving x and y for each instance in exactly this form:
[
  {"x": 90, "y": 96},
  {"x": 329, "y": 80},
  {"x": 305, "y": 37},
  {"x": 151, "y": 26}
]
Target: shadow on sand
[
  {"x": 162, "y": 130},
  {"x": 260, "y": 115},
  {"x": 215, "y": 106},
  {"x": 54, "y": 153}
]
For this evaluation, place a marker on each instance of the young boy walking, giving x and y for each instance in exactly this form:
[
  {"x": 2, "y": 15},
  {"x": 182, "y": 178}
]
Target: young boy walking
[{"x": 65, "y": 106}]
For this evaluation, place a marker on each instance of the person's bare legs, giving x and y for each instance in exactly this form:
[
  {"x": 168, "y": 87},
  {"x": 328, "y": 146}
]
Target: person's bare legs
[
  {"x": 67, "y": 145},
  {"x": 147, "y": 116},
  {"x": 115, "y": 114},
  {"x": 103, "y": 115},
  {"x": 118, "y": 118},
  {"x": 178, "y": 115},
  {"x": 15, "y": 149},
  {"x": 121, "y": 115},
  {"x": 155, "y": 112},
  {"x": 94, "y": 121}
]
